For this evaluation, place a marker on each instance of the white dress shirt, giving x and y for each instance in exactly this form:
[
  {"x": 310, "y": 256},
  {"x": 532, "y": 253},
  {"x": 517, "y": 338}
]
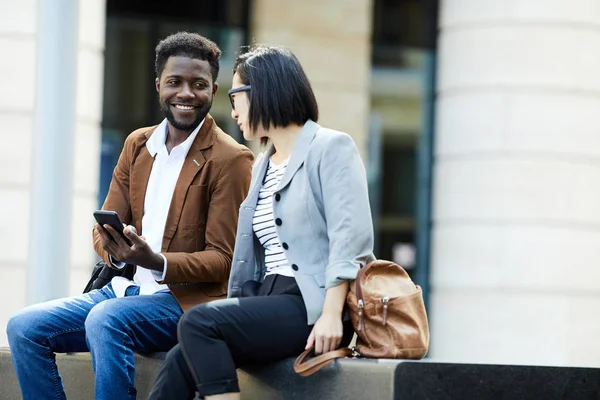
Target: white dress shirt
[{"x": 161, "y": 184}]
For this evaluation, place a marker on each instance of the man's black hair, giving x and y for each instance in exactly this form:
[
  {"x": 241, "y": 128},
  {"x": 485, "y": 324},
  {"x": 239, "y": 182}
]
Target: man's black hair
[
  {"x": 280, "y": 91},
  {"x": 190, "y": 45}
]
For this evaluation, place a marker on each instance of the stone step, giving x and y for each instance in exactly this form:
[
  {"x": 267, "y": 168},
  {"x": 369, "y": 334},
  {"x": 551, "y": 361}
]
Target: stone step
[
  {"x": 437, "y": 381},
  {"x": 78, "y": 375},
  {"x": 363, "y": 379},
  {"x": 350, "y": 379}
]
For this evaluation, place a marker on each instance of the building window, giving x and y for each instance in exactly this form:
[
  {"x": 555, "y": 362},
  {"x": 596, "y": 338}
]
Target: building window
[
  {"x": 403, "y": 44},
  {"x": 133, "y": 29}
]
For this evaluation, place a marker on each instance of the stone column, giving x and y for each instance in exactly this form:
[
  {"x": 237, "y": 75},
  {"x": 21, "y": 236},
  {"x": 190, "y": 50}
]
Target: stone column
[
  {"x": 88, "y": 138},
  {"x": 332, "y": 40},
  {"x": 516, "y": 226},
  {"x": 18, "y": 40}
]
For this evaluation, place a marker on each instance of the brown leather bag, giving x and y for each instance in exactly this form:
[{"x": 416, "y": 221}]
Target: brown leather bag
[{"x": 388, "y": 315}]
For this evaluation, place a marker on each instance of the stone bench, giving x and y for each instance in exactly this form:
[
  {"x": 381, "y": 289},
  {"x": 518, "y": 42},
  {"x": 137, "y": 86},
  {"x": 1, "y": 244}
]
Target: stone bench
[
  {"x": 350, "y": 379},
  {"x": 277, "y": 381}
]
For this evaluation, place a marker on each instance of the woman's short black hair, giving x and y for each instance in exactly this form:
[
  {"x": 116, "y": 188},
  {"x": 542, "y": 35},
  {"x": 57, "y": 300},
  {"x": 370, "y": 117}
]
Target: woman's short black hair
[
  {"x": 191, "y": 45},
  {"x": 280, "y": 92}
]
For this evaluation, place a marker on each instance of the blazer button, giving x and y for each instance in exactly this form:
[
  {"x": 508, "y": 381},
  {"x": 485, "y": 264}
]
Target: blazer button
[
  {"x": 285, "y": 245},
  {"x": 277, "y": 197},
  {"x": 278, "y": 222},
  {"x": 294, "y": 267}
]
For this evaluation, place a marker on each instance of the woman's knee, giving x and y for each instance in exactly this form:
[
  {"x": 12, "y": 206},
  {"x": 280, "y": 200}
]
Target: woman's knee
[
  {"x": 201, "y": 319},
  {"x": 193, "y": 319}
]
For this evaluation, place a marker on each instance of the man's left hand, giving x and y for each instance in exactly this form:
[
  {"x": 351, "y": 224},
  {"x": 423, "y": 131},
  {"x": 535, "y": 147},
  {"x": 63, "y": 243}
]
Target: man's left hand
[{"x": 138, "y": 253}]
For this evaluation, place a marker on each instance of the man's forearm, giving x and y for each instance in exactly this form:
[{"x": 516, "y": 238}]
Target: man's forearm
[
  {"x": 209, "y": 265},
  {"x": 155, "y": 263}
]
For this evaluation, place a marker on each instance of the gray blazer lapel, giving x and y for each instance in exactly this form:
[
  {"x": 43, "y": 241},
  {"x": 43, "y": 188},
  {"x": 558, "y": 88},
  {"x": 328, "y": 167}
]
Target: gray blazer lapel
[
  {"x": 307, "y": 134},
  {"x": 258, "y": 175},
  {"x": 244, "y": 267}
]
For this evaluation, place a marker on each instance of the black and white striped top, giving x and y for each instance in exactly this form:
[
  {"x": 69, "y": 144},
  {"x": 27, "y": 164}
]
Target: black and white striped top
[{"x": 264, "y": 226}]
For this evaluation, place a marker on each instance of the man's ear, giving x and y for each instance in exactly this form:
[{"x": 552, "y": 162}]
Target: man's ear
[
  {"x": 157, "y": 82},
  {"x": 215, "y": 88}
]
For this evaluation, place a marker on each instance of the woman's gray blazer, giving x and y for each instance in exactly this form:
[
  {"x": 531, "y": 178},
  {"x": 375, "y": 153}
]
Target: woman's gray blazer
[{"x": 322, "y": 217}]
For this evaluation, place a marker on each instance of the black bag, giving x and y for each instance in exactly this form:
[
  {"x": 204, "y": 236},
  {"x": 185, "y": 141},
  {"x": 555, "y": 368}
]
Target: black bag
[{"x": 103, "y": 274}]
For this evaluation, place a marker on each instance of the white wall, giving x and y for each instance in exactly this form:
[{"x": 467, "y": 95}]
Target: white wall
[
  {"x": 18, "y": 27},
  {"x": 516, "y": 230}
]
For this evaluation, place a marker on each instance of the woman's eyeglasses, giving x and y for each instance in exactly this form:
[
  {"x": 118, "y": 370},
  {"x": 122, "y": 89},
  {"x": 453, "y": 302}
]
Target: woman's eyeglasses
[{"x": 245, "y": 88}]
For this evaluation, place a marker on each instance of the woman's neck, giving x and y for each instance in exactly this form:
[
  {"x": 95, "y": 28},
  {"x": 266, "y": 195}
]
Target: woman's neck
[{"x": 284, "y": 141}]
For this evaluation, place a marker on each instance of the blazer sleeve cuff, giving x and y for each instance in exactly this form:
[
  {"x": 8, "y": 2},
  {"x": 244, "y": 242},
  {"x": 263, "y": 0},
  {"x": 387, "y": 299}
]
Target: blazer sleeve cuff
[
  {"x": 160, "y": 276},
  {"x": 339, "y": 272},
  {"x": 115, "y": 264}
]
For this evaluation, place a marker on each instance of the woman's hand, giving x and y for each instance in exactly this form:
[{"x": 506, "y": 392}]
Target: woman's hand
[{"x": 327, "y": 333}]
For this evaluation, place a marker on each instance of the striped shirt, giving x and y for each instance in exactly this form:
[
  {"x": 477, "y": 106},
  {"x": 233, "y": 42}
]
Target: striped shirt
[{"x": 264, "y": 226}]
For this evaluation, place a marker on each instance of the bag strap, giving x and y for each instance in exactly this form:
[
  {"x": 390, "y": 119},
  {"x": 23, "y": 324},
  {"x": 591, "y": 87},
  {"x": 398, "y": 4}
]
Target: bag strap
[
  {"x": 306, "y": 365},
  {"x": 357, "y": 280}
]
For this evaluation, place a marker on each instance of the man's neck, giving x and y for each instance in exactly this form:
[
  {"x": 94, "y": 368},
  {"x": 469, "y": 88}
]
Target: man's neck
[{"x": 176, "y": 136}]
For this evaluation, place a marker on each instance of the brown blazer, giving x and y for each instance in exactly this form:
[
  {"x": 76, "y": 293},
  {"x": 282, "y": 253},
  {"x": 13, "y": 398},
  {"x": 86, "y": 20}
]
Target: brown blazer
[{"x": 202, "y": 221}]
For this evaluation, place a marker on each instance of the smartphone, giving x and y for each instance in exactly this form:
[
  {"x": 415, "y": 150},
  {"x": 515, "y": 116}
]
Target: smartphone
[{"x": 111, "y": 218}]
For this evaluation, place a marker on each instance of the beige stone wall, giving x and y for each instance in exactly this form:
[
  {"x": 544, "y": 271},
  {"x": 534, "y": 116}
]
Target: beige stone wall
[
  {"x": 517, "y": 195},
  {"x": 17, "y": 41},
  {"x": 332, "y": 40},
  {"x": 18, "y": 26}
]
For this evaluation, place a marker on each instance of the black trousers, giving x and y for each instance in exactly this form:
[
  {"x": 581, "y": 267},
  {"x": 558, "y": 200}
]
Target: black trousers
[{"x": 217, "y": 337}]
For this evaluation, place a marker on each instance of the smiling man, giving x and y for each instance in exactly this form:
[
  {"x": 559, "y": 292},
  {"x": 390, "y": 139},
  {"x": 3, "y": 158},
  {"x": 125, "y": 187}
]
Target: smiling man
[{"x": 178, "y": 187}]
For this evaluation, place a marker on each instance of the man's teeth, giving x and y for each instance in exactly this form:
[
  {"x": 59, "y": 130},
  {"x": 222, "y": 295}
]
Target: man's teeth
[{"x": 182, "y": 107}]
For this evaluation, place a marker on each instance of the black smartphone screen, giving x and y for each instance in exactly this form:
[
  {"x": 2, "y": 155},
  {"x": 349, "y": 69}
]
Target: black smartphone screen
[{"x": 110, "y": 218}]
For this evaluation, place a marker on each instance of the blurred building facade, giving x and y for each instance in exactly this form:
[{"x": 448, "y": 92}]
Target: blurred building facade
[
  {"x": 475, "y": 118},
  {"x": 19, "y": 30}
]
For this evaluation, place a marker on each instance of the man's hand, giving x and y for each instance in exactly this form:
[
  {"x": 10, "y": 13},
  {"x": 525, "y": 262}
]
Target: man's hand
[
  {"x": 327, "y": 333},
  {"x": 139, "y": 253}
]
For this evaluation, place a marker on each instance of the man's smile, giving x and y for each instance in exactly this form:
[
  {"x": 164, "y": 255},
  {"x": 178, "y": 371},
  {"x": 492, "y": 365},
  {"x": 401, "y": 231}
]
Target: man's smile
[{"x": 184, "y": 107}]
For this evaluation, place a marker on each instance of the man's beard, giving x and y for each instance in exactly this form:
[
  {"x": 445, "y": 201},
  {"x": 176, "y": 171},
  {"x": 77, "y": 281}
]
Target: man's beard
[{"x": 202, "y": 112}]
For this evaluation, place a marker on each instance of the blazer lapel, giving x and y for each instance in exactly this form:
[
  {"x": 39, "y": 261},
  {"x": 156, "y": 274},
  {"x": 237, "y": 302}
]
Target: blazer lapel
[
  {"x": 139, "y": 182},
  {"x": 307, "y": 134},
  {"x": 194, "y": 161},
  {"x": 258, "y": 175}
]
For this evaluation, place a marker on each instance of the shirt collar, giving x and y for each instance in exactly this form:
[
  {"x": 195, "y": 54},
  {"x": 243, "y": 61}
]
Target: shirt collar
[{"x": 159, "y": 138}]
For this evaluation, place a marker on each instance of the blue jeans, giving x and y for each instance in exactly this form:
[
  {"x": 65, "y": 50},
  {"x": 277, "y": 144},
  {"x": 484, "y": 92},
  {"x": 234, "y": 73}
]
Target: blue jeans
[{"x": 110, "y": 328}]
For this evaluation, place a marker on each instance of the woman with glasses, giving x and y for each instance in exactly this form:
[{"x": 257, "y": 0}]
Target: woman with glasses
[{"x": 303, "y": 232}]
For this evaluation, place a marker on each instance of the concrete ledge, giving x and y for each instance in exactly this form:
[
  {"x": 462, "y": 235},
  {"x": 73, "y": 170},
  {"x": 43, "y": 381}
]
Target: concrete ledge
[
  {"x": 437, "y": 381},
  {"x": 362, "y": 379},
  {"x": 344, "y": 379},
  {"x": 350, "y": 379},
  {"x": 78, "y": 375}
]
